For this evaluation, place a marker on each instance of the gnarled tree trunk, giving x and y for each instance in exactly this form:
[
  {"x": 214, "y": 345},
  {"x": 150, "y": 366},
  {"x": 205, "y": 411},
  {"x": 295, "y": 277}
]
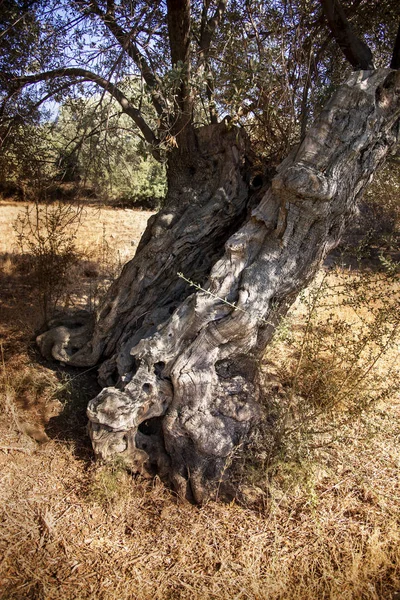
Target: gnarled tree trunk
[
  {"x": 187, "y": 387},
  {"x": 210, "y": 189}
]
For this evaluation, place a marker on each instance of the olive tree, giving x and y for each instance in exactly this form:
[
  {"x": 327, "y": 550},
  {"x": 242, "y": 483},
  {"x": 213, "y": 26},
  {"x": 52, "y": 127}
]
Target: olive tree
[{"x": 179, "y": 336}]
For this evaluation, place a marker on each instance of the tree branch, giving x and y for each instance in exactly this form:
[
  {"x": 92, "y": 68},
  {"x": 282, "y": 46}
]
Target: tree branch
[
  {"x": 81, "y": 75},
  {"x": 179, "y": 33},
  {"x": 111, "y": 8},
  {"x": 395, "y": 63},
  {"x": 179, "y": 30},
  {"x": 209, "y": 27},
  {"x": 207, "y": 31},
  {"x": 127, "y": 43},
  {"x": 355, "y": 50}
]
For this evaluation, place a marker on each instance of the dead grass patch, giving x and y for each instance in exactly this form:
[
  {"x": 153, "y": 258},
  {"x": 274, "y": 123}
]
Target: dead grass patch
[
  {"x": 315, "y": 518},
  {"x": 68, "y": 534}
]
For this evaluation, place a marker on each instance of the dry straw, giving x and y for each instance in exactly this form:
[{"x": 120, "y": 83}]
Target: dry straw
[{"x": 316, "y": 514}]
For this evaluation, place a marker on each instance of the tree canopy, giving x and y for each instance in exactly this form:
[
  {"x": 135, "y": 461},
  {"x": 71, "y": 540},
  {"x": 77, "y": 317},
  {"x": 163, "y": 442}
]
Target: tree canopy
[{"x": 269, "y": 65}]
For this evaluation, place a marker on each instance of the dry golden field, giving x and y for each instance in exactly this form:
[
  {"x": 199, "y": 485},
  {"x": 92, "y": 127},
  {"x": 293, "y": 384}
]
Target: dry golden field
[
  {"x": 121, "y": 228},
  {"x": 317, "y": 512}
]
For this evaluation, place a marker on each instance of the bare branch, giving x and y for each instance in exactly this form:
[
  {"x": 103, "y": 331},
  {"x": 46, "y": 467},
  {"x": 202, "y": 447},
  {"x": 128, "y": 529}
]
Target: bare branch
[
  {"x": 127, "y": 43},
  {"x": 209, "y": 27},
  {"x": 207, "y": 31}
]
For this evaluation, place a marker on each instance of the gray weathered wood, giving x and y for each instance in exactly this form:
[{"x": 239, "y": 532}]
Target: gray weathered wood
[
  {"x": 188, "y": 393},
  {"x": 208, "y": 193}
]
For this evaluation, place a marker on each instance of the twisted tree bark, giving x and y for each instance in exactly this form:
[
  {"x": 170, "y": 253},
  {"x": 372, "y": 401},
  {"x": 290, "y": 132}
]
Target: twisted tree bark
[
  {"x": 210, "y": 189},
  {"x": 187, "y": 388}
]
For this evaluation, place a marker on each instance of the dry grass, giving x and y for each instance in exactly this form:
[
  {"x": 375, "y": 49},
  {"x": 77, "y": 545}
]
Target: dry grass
[
  {"x": 120, "y": 229},
  {"x": 326, "y": 526},
  {"x": 72, "y": 531}
]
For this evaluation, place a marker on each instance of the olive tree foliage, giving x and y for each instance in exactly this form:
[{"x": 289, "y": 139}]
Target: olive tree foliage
[
  {"x": 19, "y": 34},
  {"x": 227, "y": 90},
  {"x": 293, "y": 63},
  {"x": 66, "y": 134},
  {"x": 97, "y": 151},
  {"x": 270, "y": 65}
]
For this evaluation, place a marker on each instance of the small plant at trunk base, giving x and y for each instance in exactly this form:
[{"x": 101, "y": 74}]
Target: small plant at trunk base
[
  {"x": 109, "y": 484},
  {"x": 46, "y": 235},
  {"x": 339, "y": 361},
  {"x": 392, "y": 267}
]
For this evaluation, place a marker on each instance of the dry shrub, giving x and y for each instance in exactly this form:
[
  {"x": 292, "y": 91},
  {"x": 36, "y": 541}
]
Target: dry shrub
[
  {"x": 101, "y": 265},
  {"x": 63, "y": 273},
  {"x": 46, "y": 235},
  {"x": 378, "y": 225},
  {"x": 332, "y": 365},
  {"x": 351, "y": 323},
  {"x": 382, "y": 205}
]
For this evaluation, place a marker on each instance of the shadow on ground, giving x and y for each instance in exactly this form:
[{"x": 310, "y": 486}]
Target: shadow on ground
[{"x": 50, "y": 399}]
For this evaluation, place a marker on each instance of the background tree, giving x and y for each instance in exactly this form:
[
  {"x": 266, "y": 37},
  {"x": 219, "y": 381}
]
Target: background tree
[
  {"x": 181, "y": 367},
  {"x": 97, "y": 150}
]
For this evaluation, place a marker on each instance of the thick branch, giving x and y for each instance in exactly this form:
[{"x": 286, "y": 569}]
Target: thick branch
[
  {"x": 111, "y": 7},
  {"x": 85, "y": 75},
  {"x": 179, "y": 32},
  {"x": 395, "y": 64},
  {"x": 208, "y": 27},
  {"x": 355, "y": 50}
]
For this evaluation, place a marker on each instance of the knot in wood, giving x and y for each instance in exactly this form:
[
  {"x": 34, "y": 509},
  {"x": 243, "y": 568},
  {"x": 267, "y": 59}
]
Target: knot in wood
[{"x": 304, "y": 182}]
